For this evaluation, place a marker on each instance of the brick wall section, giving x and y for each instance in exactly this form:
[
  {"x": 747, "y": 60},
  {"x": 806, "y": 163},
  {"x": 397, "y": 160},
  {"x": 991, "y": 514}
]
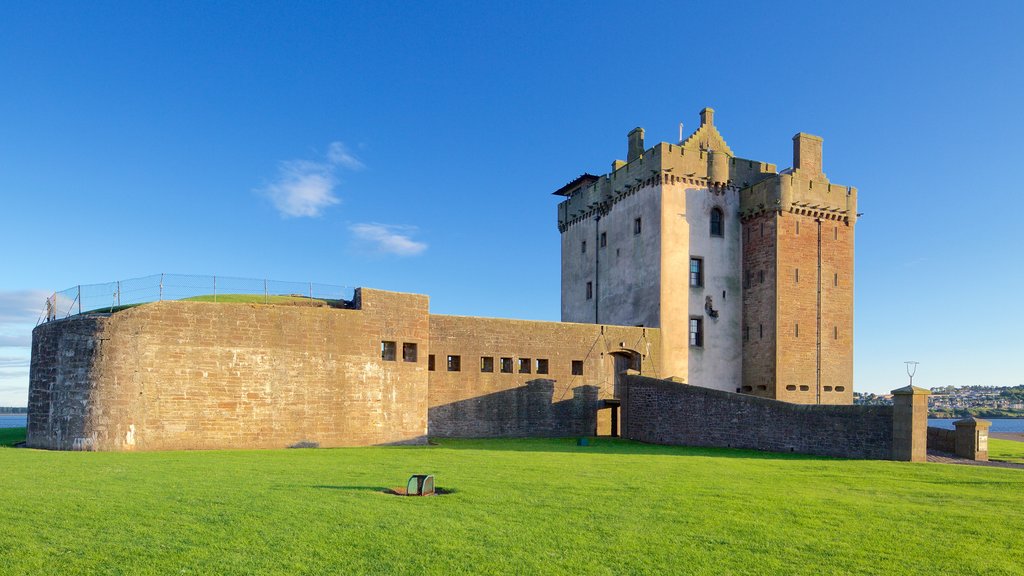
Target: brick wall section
[
  {"x": 941, "y": 439},
  {"x": 664, "y": 412},
  {"x": 759, "y": 310},
  {"x": 194, "y": 375},
  {"x": 475, "y": 404}
]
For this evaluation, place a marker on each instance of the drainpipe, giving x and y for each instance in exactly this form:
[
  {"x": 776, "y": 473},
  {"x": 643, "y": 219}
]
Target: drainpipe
[{"x": 817, "y": 350}]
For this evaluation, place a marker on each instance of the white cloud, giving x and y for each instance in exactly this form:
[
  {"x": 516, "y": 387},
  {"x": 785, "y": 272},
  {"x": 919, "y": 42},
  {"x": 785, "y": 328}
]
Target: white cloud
[
  {"x": 389, "y": 238},
  {"x": 305, "y": 188},
  {"x": 21, "y": 306}
]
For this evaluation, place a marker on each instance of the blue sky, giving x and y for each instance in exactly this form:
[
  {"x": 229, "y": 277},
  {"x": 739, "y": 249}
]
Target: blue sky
[{"x": 414, "y": 147}]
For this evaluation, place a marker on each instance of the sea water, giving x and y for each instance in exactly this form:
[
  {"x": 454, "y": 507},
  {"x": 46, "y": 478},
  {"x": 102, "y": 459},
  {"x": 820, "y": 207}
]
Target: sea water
[
  {"x": 998, "y": 424},
  {"x": 13, "y": 420}
]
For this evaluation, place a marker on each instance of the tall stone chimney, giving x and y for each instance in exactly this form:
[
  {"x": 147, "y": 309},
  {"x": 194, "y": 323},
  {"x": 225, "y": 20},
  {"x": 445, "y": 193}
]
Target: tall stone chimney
[
  {"x": 807, "y": 153},
  {"x": 636, "y": 144}
]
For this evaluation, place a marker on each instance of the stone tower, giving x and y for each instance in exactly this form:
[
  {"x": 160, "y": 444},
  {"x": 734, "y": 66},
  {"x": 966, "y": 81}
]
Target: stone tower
[{"x": 672, "y": 238}]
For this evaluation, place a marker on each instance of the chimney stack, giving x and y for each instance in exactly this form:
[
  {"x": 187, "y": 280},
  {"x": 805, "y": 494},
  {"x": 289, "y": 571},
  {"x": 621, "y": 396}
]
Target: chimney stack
[
  {"x": 636, "y": 144},
  {"x": 807, "y": 153},
  {"x": 707, "y": 116}
]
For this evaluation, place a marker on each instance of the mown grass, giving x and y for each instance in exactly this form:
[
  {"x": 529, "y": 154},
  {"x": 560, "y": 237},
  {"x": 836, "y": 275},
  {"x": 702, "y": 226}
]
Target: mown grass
[
  {"x": 261, "y": 299},
  {"x": 1006, "y": 450},
  {"x": 11, "y": 436},
  {"x": 519, "y": 507}
]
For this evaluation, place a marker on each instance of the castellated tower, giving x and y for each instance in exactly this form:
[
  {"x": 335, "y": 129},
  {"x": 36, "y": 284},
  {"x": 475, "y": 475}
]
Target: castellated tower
[{"x": 704, "y": 245}]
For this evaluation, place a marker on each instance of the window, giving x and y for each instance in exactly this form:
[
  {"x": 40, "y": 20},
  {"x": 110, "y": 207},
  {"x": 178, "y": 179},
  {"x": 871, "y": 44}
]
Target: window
[
  {"x": 636, "y": 226},
  {"x": 604, "y": 239},
  {"x": 717, "y": 222},
  {"x": 454, "y": 363},
  {"x": 696, "y": 332},
  {"x": 796, "y": 330},
  {"x": 387, "y": 351},
  {"x": 583, "y": 247},
  {"x": 835, "y": 332},
  {"x": 746, "y": 279},
  {"x": 760, "y": 276},
  {"x": 835, "y": 233},
  {"x": 506, "y": 365},
  {"x": 430, "y": 362},
  {"x": 696, "y": 272},
  {"x": 827, "y": 388},
  {"x": 762, "y": 229},
  {"x": 760, "y": 330},
  {"x": 796, "y": 275},
  {"x": 804, "y": 388},
  {"x": 524, "y": 365},
  {"x": 835, "y": 279},
  {"x": 542, "y": 365},
  {"x": 487, "y": 363},
  {"x": 791, "y": 388},
  {"x": 408, "y": 352},
  {"x": 577, "y": 367},
  {"x": 590, "y": 290},
  {"x": 840, "y": 388},
  {"x": 797, "y": 227}
]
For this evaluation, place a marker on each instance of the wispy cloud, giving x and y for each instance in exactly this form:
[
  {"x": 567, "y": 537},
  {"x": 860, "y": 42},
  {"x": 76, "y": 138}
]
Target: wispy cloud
[
  {"x": 305, "y": 188},
  {"x": 388, "y": 238},
  {"x": 21, "y": 306},
  {"x": 13, "y": 362}
]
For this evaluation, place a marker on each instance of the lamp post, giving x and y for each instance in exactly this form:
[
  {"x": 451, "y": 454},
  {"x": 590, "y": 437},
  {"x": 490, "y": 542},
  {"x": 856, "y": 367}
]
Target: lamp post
[{"x": 911, "y": 370}]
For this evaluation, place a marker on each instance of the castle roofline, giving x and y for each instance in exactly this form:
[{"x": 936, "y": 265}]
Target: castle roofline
[{"x": 582, "y": 180}]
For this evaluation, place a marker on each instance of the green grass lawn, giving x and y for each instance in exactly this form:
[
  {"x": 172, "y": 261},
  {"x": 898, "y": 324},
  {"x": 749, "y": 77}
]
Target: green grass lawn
[
  {"x": 11, "y": 436},
  {"x": 1006, "y": 450},
  {"x": 519, "y": 507}
]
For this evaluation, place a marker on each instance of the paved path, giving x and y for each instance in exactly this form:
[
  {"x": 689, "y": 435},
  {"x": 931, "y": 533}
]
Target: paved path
[{"x": 947, "y": 458}]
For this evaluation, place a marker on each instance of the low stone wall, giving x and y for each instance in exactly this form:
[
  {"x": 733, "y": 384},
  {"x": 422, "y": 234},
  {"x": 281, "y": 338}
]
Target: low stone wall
[
  {"x": 941, "y": 439},
  {"x": 665, "y": 412}
]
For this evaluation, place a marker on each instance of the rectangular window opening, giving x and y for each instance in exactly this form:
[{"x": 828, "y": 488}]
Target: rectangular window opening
[
  {"x": 796, "y": 275},
  {"x": 583, "y": 247},
  {"x": 577, "y": 367},
  {"x": 835, "y": 332},
  {"x": 387, "y": 351},
  {"x": 430, "y": 362},
  {"x": 760, "y": 330},
  {"x": 760, "y": 276},
  {"x": 797, "y": 227},
  {"x": 796, "y": 330},
  {"x": 524, "y": 365},
  {"x": 696, "y": 272},
  {"x": 542, "y": 365},
  {"x": 696, "y": 332},
  {"x": 590, "y": 290},
  {"x": 506, "y": 365},
  {"x": 636, "y": 226},
  {"x": 604, "y": 239},
  {"x": 409, "y": 351},
  {"x": 835, "y": 279},
  {"x": 487, "y": 363},
  {"x": 454, "y": 363}
]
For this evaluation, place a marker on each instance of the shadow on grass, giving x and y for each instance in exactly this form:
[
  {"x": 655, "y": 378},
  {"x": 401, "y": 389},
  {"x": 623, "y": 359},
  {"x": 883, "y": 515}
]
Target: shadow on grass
[
  {"x": 611, "y": 446},
  {"x": 352, "y": 488}
]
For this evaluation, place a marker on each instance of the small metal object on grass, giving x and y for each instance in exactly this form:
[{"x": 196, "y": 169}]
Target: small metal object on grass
[{"x": 420, "y": 485}]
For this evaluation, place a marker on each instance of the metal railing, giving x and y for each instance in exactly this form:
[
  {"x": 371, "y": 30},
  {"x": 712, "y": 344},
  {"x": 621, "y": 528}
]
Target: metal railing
[{"x": 113, "y": 296}]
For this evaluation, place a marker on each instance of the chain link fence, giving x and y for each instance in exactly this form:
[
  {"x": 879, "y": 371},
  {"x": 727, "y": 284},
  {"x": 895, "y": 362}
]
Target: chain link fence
[{"x": 113, "y": 296}]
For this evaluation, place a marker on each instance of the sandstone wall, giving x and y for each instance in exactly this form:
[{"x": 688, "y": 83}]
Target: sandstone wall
[
  {"x": 664, "y": 412},
  {"x": 474, "y": 403},
  {"x": 194, "y": 375}
]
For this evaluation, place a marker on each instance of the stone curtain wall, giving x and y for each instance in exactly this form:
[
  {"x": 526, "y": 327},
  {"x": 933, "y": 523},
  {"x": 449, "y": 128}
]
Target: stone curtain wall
[
  {"x": 471, "y": 403},
  {"x": 664, "y": 412},
  {"x": 194, "y": 375},
  {"x": 941, "y": 439}
]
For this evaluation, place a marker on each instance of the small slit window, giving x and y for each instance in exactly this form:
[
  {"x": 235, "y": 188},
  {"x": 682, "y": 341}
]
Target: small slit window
[
  {"x": 827, "y": 388},
  {"x": 590, "y": 290},
  {"x": 840, "y": 388},
  {"x": 430, "y": 362},
  {"x": 583, "y": 247},
  {"x": 637, "y": 226},
  {"x": 604, "y": 239},
  {"x": 805, "y": 388},
  {"x": 791, "y": 388}
]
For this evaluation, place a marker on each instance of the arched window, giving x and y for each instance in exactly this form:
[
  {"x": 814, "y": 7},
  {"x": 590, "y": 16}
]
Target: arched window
[{"x": 717, "y": 222}]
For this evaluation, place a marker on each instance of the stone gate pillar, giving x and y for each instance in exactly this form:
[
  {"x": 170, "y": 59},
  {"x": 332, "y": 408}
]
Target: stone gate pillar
[
  {"x": 972, "y": 438},
  {"x": 910, "y": 424}
]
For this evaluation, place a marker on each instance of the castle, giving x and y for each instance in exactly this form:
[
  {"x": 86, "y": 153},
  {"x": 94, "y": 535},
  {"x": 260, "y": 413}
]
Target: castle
[
  {"x": 747, "y": 272},
  {"x": 684, "y": 263}
]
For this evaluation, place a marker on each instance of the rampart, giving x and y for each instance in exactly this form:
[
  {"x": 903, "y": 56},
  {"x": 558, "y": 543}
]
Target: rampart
[
  {"x": 194, "y": 375},
  {"x": 665, "y": 412}
]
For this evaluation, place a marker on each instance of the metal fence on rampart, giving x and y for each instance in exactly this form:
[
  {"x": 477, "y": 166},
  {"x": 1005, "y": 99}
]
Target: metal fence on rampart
[{"x": 112, "y": 296}]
